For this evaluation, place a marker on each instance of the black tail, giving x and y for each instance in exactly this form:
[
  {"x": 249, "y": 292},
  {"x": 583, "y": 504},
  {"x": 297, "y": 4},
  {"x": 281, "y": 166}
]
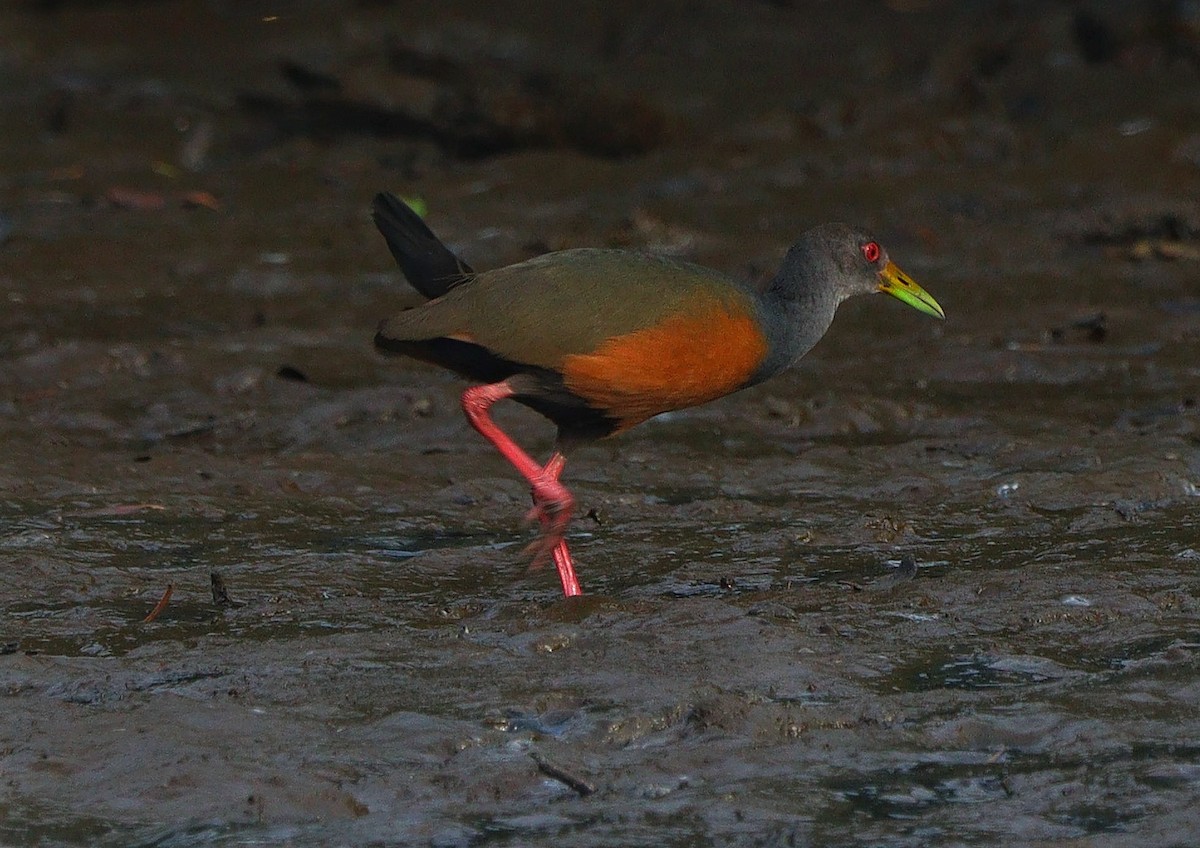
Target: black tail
[{"x": 427, "y": 263}]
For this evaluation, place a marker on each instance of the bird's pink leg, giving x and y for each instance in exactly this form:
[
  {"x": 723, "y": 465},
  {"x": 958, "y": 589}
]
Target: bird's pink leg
[
  {"x": 562, "y": 556},
  {"x": 553, "y": 504}
]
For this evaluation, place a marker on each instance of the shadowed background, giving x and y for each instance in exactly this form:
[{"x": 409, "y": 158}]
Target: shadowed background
[{"x": 190, "y": 284}]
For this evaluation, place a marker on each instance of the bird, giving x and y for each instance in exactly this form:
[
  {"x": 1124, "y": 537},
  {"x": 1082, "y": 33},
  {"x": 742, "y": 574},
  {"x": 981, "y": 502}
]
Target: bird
[{"x": 599, "y": 340}]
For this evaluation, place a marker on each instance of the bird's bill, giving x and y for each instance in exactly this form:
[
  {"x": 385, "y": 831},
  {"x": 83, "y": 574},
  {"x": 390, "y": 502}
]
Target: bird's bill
[{"x": 899, "y": 285}]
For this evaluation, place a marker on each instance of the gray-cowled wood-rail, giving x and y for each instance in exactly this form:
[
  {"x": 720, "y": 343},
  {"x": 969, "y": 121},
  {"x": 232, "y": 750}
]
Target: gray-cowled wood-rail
[{"x": 600, "y": 340}]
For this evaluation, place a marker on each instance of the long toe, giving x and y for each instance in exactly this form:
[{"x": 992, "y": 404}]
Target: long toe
[
  {"x": 555, "y": 517},
  {"x": 540, "y": 550},
  {"x": 552, "y": 503},
  {"x": 553, "y": 506},
  {"x": 549, "y": 513}
]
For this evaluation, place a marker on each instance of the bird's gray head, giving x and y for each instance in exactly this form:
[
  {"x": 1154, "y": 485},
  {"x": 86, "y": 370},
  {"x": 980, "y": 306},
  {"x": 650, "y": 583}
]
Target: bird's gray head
[{"x": 840, "y": 261}]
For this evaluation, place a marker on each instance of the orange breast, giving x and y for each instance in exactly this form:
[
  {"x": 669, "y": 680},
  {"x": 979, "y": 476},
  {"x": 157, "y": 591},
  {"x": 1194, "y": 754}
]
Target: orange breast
[{"x": 683, "y": 361}]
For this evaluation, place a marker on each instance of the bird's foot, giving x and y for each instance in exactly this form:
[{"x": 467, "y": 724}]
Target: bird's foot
[{"x": 553, "y": 506}]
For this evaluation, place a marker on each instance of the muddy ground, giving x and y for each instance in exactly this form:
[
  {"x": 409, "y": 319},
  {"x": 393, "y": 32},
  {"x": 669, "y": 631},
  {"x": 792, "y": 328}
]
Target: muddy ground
[{"x": 190, "y": 284}]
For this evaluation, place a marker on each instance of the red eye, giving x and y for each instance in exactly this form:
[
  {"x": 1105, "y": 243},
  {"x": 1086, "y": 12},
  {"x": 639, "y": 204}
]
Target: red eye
[{"x": 871, "y": 251}]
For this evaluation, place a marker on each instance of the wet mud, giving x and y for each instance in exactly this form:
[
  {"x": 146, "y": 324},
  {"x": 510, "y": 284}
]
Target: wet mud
[{"x": 938, "y": 585}]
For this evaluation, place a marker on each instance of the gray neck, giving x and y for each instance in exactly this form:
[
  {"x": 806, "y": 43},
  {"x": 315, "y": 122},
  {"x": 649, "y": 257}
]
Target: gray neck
[{"x": 797, "y": 316}]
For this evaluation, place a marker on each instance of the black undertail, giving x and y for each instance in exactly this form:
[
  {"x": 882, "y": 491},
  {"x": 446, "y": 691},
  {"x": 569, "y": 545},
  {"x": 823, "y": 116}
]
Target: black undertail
[{"x": 540, "y": 389}]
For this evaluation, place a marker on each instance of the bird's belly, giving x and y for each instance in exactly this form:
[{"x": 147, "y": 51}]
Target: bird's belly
[{"x": 683, "y": 361}]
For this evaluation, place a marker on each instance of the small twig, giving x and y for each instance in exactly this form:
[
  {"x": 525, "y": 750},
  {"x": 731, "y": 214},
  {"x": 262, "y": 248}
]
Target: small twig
[
  {"x": 557, "y": 772},
  {"x": 160, "y": 606},
  {"x": 220, "y": 594}
]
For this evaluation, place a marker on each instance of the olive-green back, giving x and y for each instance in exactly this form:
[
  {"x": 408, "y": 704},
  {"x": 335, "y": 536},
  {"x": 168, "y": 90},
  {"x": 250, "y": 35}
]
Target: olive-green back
[{"x": 570, "y": 302}]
